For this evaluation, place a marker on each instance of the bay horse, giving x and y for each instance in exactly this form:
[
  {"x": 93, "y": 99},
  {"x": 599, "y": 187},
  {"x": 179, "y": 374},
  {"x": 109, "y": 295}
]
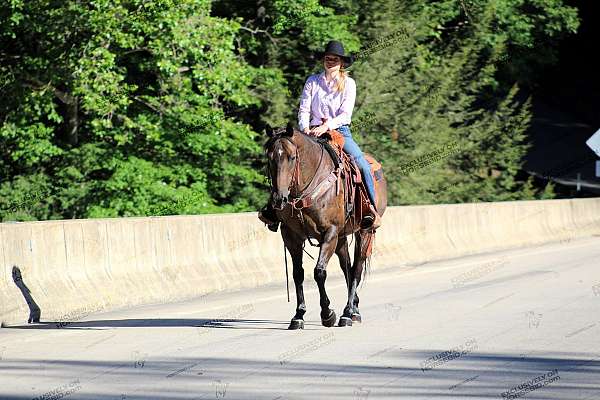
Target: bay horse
[{"x": 300, "y": 167}]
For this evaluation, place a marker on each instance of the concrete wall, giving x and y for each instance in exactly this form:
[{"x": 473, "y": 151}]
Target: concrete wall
[{"x": 73, "y": 267}]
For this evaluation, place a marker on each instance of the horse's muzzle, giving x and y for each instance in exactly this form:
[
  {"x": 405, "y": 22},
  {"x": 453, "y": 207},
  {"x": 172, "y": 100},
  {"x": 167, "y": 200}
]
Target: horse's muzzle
[{"x": 280, "y": 200}]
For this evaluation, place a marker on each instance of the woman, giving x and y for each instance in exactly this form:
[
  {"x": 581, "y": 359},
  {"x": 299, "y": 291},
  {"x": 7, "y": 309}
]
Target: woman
[{"x": 327, "y": 102}]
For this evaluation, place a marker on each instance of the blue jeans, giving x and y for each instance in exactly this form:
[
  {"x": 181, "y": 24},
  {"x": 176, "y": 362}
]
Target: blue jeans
[{"x": 353, "y": 151}]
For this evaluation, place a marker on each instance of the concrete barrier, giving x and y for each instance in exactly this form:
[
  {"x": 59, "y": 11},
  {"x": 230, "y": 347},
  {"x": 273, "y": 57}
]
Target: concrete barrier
[{"x": 76, "y": 266}]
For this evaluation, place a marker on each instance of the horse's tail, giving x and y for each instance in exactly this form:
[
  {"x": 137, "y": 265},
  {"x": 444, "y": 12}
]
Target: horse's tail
[
  {"x": 366, "y": 269},
  {"x": 367, "y": 245}
]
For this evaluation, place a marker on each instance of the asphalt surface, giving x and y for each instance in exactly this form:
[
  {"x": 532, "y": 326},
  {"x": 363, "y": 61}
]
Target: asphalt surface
[{"x": 514, "y": 324}]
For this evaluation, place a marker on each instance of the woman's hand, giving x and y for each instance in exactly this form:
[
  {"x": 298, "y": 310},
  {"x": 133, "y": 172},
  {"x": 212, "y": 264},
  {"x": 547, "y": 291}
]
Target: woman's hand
[{"x": 319, "y": 130}]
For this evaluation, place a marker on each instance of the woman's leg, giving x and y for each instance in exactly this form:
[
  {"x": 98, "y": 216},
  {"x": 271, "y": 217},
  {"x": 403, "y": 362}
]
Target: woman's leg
[
  {"x": 354, "y": 151},
  {"x": 267, "y": 215}
]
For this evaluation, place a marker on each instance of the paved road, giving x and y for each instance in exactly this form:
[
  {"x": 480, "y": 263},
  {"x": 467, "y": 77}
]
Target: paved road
[{"x": 519, "y": 323}]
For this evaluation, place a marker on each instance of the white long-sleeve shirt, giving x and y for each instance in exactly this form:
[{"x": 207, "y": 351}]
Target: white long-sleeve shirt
[{"x": 320, "y": 100}]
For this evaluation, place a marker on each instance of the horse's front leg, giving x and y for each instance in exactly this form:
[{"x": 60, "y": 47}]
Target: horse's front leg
[
  {"x": 294, "y": 245},
  {"x": 328, "y": 247}
]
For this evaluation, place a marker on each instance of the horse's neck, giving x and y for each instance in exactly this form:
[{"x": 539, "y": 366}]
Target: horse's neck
[{"x": 309, "y": 153}]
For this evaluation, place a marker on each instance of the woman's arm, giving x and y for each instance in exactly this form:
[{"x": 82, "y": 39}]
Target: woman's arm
[{"x": 305, "y": 103}]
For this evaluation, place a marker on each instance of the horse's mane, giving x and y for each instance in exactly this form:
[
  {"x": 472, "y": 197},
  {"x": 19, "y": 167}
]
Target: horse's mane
[{"x": 278, "y": 134}]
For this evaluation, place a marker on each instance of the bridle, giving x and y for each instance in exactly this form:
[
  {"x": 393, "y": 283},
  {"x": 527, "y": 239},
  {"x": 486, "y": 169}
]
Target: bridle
[{"x": 293, "y": 187}]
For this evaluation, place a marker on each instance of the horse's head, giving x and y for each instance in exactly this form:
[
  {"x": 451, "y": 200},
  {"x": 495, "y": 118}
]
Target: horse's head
[{"x": 282, "y": 154}]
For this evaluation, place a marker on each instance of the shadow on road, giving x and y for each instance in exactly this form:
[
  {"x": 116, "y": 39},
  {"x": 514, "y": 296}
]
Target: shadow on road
[
  {"x": 215, "y": 323},
  {"x": 34, "y": 309},
  {"x": 397, "y": 375}
]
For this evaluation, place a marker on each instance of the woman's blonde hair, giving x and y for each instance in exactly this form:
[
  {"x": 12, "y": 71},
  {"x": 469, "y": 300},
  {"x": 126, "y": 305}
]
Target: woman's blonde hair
[{"x": 341, "y": 83}]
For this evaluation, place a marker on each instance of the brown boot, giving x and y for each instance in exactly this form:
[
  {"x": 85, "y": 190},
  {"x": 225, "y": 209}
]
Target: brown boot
[
  {"x": 371, "y": 221},
  {"x": 267, "y": 216}
]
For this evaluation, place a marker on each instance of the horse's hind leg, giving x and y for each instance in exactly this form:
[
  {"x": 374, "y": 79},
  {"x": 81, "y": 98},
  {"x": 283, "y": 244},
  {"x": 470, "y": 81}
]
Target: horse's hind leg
[
  {"x": 360, "y": 258},
  {"x": 346, "y": 265},
  {"x": 294, "y": 245},
  {"x": 328, "y": 247}
]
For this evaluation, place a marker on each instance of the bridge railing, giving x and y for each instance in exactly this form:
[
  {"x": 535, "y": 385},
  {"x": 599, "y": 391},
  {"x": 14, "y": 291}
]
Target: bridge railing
[{"x": 63, "y": 267}]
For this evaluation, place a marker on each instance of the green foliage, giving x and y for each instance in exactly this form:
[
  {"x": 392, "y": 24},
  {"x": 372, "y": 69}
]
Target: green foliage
[
  {"x": 440, "y": 87},
  {"x": 520, "y": 34},
  {"x": 130, "y": 107},
  {"x": 119, "y": 104}
]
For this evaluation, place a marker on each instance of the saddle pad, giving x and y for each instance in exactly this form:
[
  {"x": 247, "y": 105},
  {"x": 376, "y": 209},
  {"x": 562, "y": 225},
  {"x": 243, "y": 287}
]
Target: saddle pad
[
  {"x": 376, "y": 169},
  {"x": 376, "y": 173}
]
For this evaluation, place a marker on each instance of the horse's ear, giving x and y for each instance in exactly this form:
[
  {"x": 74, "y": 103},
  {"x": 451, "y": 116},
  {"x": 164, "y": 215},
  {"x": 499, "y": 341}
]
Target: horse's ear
[
  {"x": 289, "y": 129},
  {"x": 269, "y": 130}
]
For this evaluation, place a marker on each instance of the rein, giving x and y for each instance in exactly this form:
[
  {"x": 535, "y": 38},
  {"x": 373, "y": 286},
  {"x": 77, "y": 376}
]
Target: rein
[{"x": 296, "y": 175}]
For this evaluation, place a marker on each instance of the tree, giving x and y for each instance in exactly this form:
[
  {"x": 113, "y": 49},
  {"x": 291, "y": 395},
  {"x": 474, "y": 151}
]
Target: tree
[
  {"x": 438, "y": 86},
  {"x": 131, "y": 107},
  {"x": 116, "y": 106}
]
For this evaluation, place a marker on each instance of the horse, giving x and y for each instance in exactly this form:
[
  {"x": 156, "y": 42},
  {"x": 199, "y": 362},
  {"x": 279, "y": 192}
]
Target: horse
[{"x": 299, "y": 168}]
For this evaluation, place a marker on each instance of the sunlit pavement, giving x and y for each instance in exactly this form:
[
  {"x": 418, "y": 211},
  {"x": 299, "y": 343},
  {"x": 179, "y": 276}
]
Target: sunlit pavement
[{"x": 521, "y": 323}]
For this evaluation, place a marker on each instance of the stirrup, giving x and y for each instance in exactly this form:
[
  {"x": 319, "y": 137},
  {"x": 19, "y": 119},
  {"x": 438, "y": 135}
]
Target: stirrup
[{"x": 370, "y": 222}]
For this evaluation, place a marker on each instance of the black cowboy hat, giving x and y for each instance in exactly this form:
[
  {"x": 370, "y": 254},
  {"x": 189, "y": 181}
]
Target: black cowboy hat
[{"x": 336, "y": 48}]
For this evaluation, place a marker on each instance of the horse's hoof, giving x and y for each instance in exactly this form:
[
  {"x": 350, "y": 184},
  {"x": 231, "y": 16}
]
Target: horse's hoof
[
  {"x": 345, "y": 321},
  {"x": 329, "y": 321},
  {"x": 296, "y": 324},
  {"x": 356, "y": 317}
]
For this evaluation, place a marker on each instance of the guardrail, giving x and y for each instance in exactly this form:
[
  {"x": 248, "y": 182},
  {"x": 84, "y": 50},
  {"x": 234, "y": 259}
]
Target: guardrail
[{"x": 64, "y": 266}]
